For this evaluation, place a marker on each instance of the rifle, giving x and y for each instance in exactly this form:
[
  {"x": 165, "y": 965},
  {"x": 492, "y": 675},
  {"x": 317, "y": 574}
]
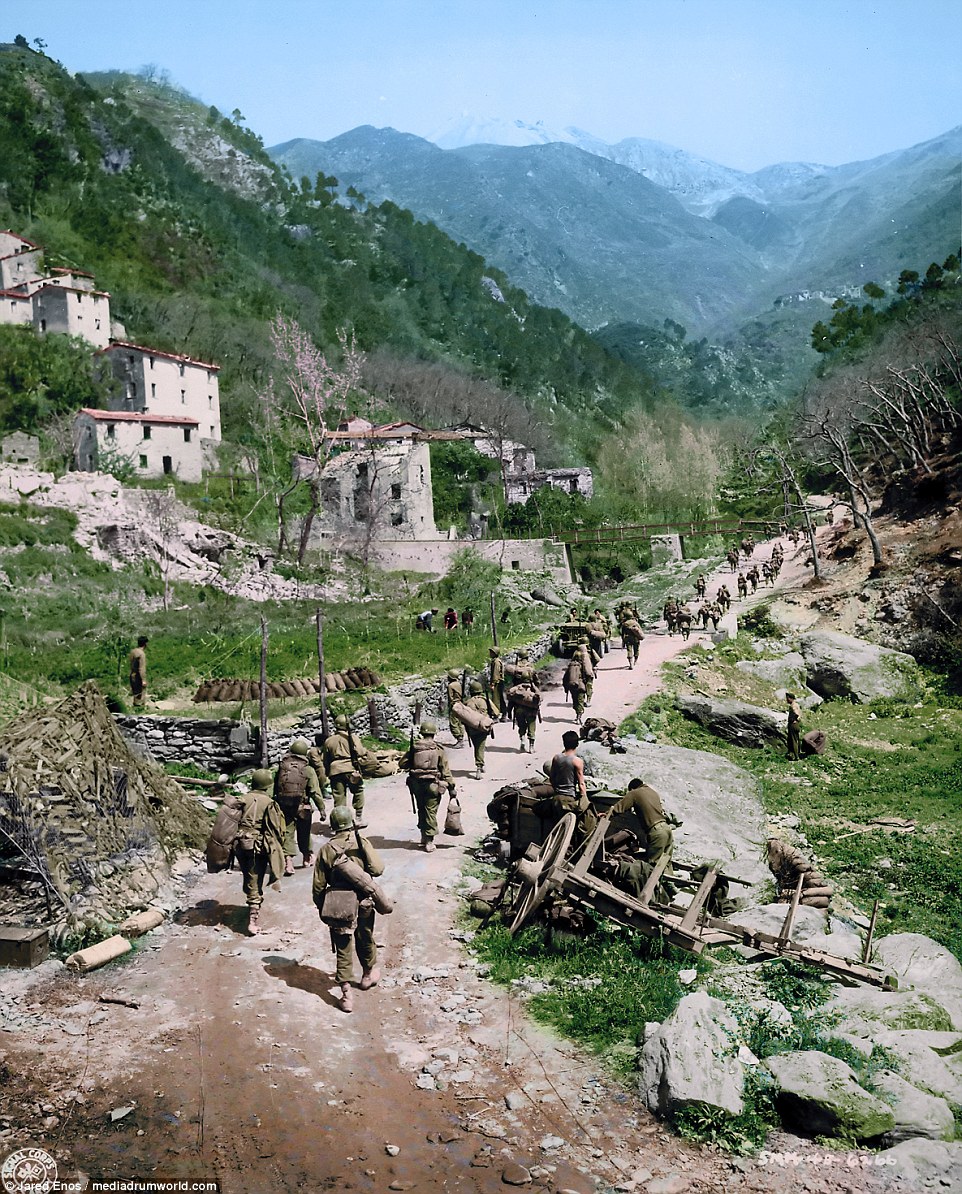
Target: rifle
[{"x": 414, "y": 803}]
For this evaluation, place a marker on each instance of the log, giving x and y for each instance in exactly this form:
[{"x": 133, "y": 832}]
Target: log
[
  {"x": 141, "y": 922},
  {"x": 98, "y": 955}
]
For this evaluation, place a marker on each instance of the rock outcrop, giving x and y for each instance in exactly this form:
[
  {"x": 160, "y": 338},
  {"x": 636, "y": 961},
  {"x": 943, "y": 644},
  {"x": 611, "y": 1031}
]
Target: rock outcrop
[
  {"x": 837, "y": 665},
  {"x": 819, "y": 1095},
  {"x": 735, "y": 721}
]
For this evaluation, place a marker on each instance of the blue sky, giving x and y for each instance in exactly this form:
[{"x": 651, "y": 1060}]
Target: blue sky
[{"x": 742, "y": 82}]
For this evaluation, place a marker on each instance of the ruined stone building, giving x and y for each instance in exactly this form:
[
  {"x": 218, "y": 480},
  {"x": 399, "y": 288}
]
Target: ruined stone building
[
  {"x": 519, "y": 486},
  {"x": 59, "y": 300}
]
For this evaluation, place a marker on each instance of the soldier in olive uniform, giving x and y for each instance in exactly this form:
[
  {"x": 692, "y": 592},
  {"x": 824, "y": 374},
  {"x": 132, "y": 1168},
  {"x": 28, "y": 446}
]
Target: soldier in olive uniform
[
  {"x": 496, "y": 682},
  {"x": 478, "y": 700},
  {"x": 583, "y": 654},
  {"x": 428, "y": 774},
  {"x": 794, "y": 726},
  {"x": 523, "y": 671},
  {"x": 455, "y": 724},
  {"x": 525, "y": 710},
  {"x": 347, "y": 840},
  {"x": 250, "y": 847},
  {"x": 632, "y": 635},
  {"x": 742, "y": 585},
  {"x": 653, "y": 827},
  {"x": 343, "y": 752},
  {"x": 295, "y": 788},
  {"x": 138, "y": 671},
  {"x": 315, "y": 757}
]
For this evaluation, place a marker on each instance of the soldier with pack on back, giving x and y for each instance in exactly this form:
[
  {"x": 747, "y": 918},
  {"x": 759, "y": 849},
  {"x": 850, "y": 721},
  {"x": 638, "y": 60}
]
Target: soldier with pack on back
[
  {"x": 524, "y": 703},
  {"x": 575, "y": 687},
  {"x": 296, "y": 788},
  {"x": 257, "y": 846},
  {"x": 343, "y": 752},
  {"x": 632, "y": 635},
  {"x": 455, "y": 694},
  {"x": 428, "y": 775},
  {"x": 584, "y": 655},
  {"x": 496, "y": 682},
  {"x": 479, "y": 703}
]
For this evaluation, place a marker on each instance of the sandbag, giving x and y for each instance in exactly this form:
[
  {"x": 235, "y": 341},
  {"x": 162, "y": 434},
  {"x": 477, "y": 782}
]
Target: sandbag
[
  {"x": 339, "y": 684},
  {"x": 93, "y": 956},
  {"x": 452, "y": 820},
  {"x": 301, "y": 688},
  {"x": 220, "y": 845},
  {"x": 233, "y": 692},
  {"x": 814, "y": 742},
  {"x": 472, "y": 718},
  {"x": 202, "y": 692},
  {"x": 349, "y": 682},
  {"x": 815, "y": 901}
]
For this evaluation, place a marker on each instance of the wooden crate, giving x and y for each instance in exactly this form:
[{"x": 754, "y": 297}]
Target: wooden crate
[{"x": 23, "y": 948}]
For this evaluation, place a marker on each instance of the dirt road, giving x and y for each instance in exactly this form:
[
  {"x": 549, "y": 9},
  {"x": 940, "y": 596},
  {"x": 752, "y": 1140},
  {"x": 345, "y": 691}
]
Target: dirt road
[{"x": 240, "y": 1068}]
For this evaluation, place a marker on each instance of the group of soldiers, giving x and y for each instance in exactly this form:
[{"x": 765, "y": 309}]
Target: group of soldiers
[
  {"x": 476, "y": 704},
  {"x": 678, "y": 614}
]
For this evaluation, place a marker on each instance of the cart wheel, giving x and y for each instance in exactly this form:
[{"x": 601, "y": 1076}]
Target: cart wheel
[{"x": 540, "y": 876}]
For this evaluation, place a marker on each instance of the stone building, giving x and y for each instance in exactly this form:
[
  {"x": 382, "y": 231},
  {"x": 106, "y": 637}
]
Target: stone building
[
  {"x": 72, "y": 311},
  {"x": 62, "y": 301},
  {"x": 519, "y": 486},
  {"x": 20, "y": 260},
  {"x": 381, "y": 490},
  {"x": 153, "y": 445},
  {"x": 19, "y": 448},
  {"x": 166, "y": 383}
]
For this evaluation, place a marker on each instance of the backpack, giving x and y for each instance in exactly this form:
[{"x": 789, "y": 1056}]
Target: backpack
[
  {"x": 425, "y": 757},
  {"x": 220, "y": 845},
  {"x": 523, "y": 697}
]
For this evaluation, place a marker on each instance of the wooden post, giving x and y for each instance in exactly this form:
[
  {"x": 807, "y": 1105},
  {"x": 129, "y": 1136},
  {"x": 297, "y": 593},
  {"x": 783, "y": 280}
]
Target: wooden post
[
  {"x": 372, "y": 718},
  {"x": 265, "y": 752},
  {"x": 785, "y": 936},
  {"x": 417, "y": 713},
  {"x": 494, "y": 624},
  {"x": 867, "y": 951},
  {"x": 322, "y": 690}
]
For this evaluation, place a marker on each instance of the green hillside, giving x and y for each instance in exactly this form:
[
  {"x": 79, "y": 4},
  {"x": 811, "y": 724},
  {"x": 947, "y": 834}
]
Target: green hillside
[{"x": 200, "y": 239}]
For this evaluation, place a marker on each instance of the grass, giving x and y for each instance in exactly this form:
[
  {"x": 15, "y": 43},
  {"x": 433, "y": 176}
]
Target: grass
[
  {"x": 66, "y": 618},
  {"x": 637, "y": 976}
]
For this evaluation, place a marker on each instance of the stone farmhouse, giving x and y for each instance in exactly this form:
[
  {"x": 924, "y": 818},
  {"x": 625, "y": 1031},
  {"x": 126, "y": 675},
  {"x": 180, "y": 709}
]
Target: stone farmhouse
[{"x": 164, "y": 419}]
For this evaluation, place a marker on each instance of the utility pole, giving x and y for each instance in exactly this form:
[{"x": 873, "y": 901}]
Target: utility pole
[
  {"x": 265, "y": 752},
  {"x": 322, "y": 689}
]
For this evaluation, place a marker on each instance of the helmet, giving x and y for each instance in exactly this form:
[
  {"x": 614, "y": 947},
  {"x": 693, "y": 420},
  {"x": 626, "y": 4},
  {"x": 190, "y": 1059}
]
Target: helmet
[
  {"x": 341, "y": 722},
  {"x": 453, "y": 673},
  {"x": 300, "y": 746},
  {"x": 522, "y": 654},
  {"x": 475, "y": 687},
  {"x": 494, "y": 651},
  {"x": 342, "y": 816},
  {"x": 428, "y": 729},
  {"x": 261, "y": 779}
]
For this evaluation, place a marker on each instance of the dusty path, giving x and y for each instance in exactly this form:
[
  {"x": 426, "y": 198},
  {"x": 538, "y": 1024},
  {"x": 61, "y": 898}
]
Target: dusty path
[{"x": 242, "y": 1070}]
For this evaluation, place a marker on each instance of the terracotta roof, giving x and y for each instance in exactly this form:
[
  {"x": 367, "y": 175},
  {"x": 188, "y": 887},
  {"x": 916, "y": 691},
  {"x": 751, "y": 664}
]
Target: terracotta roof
[
  {"x": 10, "y": 232},
  {"x": 80, "y": 273},
  {"x": 158, "y": 352},
  {"x": 439, "y": 436},
  {"x": 24, "y": 298},
  {"x": 73, "y": 289},
  {"x": 129, "y": 416}
]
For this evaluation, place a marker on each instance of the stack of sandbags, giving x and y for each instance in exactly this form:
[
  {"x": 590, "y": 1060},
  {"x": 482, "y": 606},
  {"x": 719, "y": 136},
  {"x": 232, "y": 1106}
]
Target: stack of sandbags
[
  {"x": 787, "y": 863},
  {"x": 279, "y": 690}
]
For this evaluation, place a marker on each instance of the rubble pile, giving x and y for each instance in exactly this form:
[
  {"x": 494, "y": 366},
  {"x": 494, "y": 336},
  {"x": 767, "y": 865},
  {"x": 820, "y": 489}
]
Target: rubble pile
[{"x": 98, "y": 827}]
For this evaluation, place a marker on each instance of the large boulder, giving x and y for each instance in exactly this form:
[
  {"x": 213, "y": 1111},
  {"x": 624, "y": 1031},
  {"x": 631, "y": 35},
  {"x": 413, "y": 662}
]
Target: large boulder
[
  {"x": 786, "y": 672},
  {"x": 691, "y": 1060},
  {"x": 837, "y": 665},
  {"x": 918, "y": 961},
  {"x": 920, "y": 1057},
  {"x": 719, "y": 803},
  {"x": 916, "y": 1112},
  {"x": 735, "y": 721},
  {"x": 819, "y": 1095},
  {"x": 863, "y": 1011},
  {"x": 924, "y": 1164}
]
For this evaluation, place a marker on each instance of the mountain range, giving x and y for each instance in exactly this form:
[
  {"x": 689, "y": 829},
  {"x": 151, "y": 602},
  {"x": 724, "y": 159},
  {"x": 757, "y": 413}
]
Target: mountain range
[{"x": 640, "y": 231}]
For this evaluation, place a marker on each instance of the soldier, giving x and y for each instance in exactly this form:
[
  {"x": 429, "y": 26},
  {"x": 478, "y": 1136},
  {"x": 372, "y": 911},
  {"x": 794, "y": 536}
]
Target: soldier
[
  {"x": 455, "y": 724},
  {"x": 138, "y": 672},
  {"x": 344, "y": 942},
  {"x": 600, "y": 616},
  {"x": 724, "y": 598},
  {"x": 524, "y": 671},
  {"x": 794, "y": 726},
  {"x": 428, "y": 773},
  {"x": 566, "y": 772},
  {"x": 732, "y": 559},
  {"x": 653, "y": 826},
  {"x": 742, "y": 585},
  {"x": 754, "y": 578},
  {"x": 574, "y": 686},
  {"x": 478, "y": 701},
  {"x": 315, "y": 757},
  {"x": 670, "y": 614},
  {"x": 715, "y": 613},
  {"x": 257, "y": 847},
  {"x": 496, "y": 682},
  {"x": 701, "y": 586},
  {"x": 704, "y": 613},
  {"x": 632, "y": 634},
  {"x": 684, "y": 621},
  {"x": 342, "y": 762},
  {"x": 295, "y": 789},
  {"x": 525, "y": 704},
  {"x": 587, "y": 669},
  {"x": 596, "y": 637}
]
